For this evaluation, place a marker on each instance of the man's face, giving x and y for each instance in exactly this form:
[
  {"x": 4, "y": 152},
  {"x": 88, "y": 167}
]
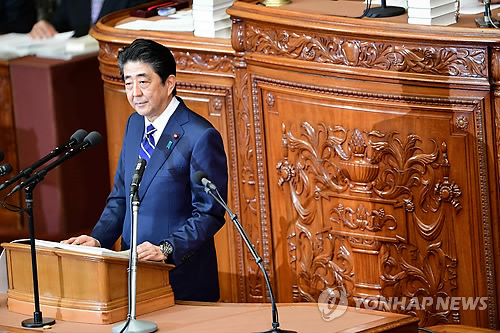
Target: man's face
[{"x": 145, "y": 92}]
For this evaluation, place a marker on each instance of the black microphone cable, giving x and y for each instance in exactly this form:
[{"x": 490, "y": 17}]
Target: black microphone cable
[
  {"x": 5, "y": 169},
  {"x": 10, "y": 207}
]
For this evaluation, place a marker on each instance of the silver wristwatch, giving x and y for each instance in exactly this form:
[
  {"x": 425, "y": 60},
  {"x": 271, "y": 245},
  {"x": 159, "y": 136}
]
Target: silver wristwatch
[{"x": 166, "y": 248}]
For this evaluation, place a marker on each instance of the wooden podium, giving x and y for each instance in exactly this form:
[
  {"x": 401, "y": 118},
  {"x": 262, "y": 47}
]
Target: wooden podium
[{"x": 83, "y": 287}]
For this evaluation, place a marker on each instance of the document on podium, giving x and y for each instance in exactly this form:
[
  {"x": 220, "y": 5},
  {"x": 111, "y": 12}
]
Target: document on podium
[
  {"x": 61, "y": 46},
  {"x": 4, "y": 284},
  {"x": 80, "y": 248}
]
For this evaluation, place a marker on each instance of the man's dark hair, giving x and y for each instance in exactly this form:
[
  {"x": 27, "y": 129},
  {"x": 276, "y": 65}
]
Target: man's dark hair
[{"x": 152, "y": 53}]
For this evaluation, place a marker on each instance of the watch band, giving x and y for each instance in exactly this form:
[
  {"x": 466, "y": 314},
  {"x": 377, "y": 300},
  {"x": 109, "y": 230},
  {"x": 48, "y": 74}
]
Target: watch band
[{"x": 166, "y": 248}]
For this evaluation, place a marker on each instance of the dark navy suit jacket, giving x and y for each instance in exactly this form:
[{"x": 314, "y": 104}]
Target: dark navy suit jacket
[
  {"x": 17, "y": 15},
  {"x": 173, "y": 208},
  {"x": 76, "y": 14}
]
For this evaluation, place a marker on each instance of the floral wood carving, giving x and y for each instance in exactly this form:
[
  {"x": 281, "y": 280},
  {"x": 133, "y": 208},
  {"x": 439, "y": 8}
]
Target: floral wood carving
[
  {"x": 237, "y": 35},
  {"x": 362, "y": 219},
  {"x": 462, "y": 123},
  {"x": 401, "y": 184},
  {"x": 203, "y": 62},
  {"x": 108, "y": 52},
  {"x": 325, "y": 261},
  {"x": 186, "y": 61},
  {"x": 497, "y": 124},
  {"x": 327, "y": 49},
  {"x": 248, "y": 189},
  {"x": 409, "y": 272}
]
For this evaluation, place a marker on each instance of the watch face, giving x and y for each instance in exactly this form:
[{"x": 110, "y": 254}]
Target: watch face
[
  {"x": 169, "y": 248},
  {"x": 166, "y": 248}
]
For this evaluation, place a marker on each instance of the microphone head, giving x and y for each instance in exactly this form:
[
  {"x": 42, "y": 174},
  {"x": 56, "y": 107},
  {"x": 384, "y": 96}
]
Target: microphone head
[
  {"x": 93, "y": 139},
  {"x": 141, "y": 165},
  {"x": 198, "y": 176},
  {"x": 79, "y": 135},
  {"x": 5, "y": 169}
]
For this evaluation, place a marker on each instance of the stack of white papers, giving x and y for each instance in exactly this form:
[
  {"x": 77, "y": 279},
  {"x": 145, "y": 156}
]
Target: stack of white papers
[
  {"x": 467, "y": 7},
  {"x": 432, "y": 12},
  {"x": 473, "y": 7},
  {"x": 211, "y": 19},
  {"x": 61, "y": 46},
  {"x": 180, "y": 21}
]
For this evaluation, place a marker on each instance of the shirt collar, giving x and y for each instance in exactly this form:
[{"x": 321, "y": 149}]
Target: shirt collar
[{"x": 161, "y": 121}]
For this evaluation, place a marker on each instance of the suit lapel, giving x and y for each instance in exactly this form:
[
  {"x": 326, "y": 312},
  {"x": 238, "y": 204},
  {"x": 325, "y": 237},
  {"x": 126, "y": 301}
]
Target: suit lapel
[
  {"x": 107, "y": 7},
  {"x": 133, "y": 144},
  {"x": 165, "y": 146}
]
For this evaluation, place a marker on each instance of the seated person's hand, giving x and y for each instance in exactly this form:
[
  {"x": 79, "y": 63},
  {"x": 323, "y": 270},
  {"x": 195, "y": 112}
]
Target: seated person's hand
[
  {"x": 42, "y": 29},
  {"x": 148, "y": 251},
  {"x": 82, "y": 240}
]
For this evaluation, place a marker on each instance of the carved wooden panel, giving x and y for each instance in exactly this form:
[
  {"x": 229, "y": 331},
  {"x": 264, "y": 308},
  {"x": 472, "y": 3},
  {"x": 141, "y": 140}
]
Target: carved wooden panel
[
  {"x": 372, "y": 195},
  {"x": 361, "y": 156},
  {"x": 366, "y": 53}
]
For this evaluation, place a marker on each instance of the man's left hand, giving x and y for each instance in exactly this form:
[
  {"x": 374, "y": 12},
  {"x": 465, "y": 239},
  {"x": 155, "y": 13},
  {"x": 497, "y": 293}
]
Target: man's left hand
[{"x": 148, "y": 251}]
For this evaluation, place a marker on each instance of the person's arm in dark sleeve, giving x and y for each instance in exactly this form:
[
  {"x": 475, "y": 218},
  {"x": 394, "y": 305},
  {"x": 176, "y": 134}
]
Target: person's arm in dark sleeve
[
  {"x": 60, "y": 20},
  {"x": 17, "y": 16},
  {"x": 208, "y": 216}
]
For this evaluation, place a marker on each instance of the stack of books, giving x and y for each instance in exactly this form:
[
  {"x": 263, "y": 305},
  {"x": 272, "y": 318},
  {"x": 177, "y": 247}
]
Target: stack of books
[
  {"x": 210, "y": 18},
  {"x": 432, "y": 12}
]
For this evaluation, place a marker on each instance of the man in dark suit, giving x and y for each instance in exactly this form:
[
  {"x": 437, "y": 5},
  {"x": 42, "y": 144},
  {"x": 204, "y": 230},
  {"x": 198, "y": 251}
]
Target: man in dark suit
[
  {"x": 177, "y": 219},
  {"x": 17, "y": 15},
  {"x": 79, "y": 15}
]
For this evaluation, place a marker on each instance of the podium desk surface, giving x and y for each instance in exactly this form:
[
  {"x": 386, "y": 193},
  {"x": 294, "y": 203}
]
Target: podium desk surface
[{"x": 242, "y": 317}]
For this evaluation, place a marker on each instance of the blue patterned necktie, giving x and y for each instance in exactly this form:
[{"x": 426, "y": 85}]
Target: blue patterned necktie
[{"x": 148, "y": 144}]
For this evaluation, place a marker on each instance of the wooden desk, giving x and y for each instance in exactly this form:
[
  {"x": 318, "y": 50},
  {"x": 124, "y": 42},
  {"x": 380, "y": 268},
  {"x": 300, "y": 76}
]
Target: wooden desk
[
  {"x": 235, "y": 318},
  {"x": 362, "y": 153}
]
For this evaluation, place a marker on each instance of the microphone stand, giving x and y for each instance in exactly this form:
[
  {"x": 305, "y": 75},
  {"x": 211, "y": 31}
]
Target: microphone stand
[
  {"x": 133, "y": 325},
  {"x": 487, "y": 21},
  {"x": 275, "y": 326},
  {"x": 38, "y": 320},
  {"x": 385, "y": 11}
]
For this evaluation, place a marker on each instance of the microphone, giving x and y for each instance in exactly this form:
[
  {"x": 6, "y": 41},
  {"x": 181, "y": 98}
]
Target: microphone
[
  {"x": 76, "y": 138},
  {"x": 91, "y": 140},
  {"x": 487, "y": 21},
  {"x": 5, "y": 169},
  {"x": 201, "y": 178},
  {"x": 136, "y": 178}
]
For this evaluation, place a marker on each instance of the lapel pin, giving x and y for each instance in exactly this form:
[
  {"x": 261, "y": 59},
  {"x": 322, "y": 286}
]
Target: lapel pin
[
  {"x": 176, "y": 135},
  {"x": 169, "y": 144}
]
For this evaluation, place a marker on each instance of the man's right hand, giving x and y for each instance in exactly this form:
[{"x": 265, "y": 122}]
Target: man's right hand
[
  {"x": 42, "y": 29},
  {"x": 82, "y": 240}
]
